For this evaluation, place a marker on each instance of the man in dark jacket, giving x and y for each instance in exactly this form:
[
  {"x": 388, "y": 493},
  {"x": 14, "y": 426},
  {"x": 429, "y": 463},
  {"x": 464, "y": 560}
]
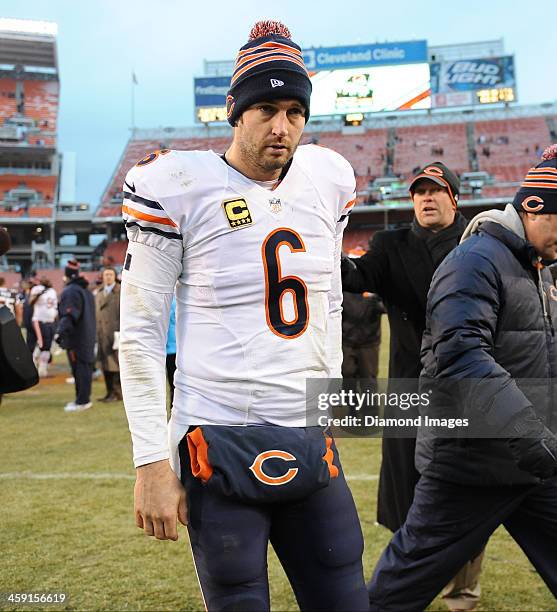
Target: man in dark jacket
[
  {"x": 490, "y": 345},
  {"x": 76, "y": 333},
  {"x": 399, "y": 266},
  {"x": 361, "y": 337}
]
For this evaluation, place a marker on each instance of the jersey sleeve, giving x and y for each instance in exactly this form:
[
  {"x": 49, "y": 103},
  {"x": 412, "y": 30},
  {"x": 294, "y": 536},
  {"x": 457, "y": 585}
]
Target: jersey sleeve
[
  {"x": 345, "y": 183},
  {"x": 152, "y": 266}
]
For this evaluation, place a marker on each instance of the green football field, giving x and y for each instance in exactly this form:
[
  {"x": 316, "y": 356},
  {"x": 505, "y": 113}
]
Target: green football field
[{"x": 66, "y": 488}]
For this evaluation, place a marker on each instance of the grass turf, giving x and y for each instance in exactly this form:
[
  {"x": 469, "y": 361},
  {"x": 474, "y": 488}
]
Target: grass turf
[{"x": 66, "y": 489}]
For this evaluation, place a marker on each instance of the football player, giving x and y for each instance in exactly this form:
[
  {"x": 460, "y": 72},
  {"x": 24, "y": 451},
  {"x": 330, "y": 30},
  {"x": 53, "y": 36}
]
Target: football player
[
  {"x": 250, "y": 243},
  {"x": 44, "y": 300},
  {"x": 8, "y": 297}
]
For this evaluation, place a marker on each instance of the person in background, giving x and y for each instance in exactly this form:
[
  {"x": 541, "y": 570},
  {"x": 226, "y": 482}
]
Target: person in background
[
  {"x": 398, "y": 267},
  {"x": 44, "y": 302},
  {"x": 8, "y": 297},
  {"x": 19, "y": 300},
  {"x": 26, "y": 314},
  {"x": 107, "y": 310},
  {"x": 489, "y": 355},
  {"x": 361, "y": 337},
  {"x": 171, "y": 350},
  {"x": 77, "y": 333}
]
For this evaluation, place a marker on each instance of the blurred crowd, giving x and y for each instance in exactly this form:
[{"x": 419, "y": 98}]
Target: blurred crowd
[{"x": 83, "y": 319}]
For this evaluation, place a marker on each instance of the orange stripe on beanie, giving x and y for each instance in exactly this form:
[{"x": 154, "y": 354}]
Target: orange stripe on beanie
[
  {"x": 538, "y": 192},
  {"x": 270, "y": 66}
]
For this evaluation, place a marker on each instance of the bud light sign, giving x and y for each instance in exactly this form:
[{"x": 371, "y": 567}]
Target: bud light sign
[{"x": 472, "y": 75}]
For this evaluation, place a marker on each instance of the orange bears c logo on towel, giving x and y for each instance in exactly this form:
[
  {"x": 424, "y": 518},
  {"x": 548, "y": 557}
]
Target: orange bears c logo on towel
[{"x": 257, "y": 467}]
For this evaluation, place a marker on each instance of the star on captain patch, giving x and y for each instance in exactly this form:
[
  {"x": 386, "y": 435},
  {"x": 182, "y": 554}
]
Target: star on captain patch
[{"x": 275, "y": 205}]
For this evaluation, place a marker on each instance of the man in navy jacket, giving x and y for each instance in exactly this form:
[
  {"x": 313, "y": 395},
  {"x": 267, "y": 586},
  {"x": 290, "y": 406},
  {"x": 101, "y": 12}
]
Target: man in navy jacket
[
  {"x": 76, "y": 333},
  {"x": 489, "y": 355}
]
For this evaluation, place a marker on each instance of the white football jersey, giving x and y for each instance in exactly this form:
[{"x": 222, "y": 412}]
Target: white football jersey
[
  {"x": 45, "y": 308},
  {"x": 257, "y": 280},
  {"x": 8, "y": 298}
]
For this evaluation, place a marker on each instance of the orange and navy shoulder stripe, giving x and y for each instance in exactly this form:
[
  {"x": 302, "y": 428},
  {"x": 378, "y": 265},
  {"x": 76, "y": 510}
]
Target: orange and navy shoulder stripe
[
  {"x": 347, "y": 209},
  {"x": 270, "y": 51},
  {"x": 546, "y": 178},
  {"x": 148, "y": 216}
]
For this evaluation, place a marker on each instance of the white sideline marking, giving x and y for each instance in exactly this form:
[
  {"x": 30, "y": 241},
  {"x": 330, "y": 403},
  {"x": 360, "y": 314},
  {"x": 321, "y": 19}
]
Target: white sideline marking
[{"x": 117, "y": 476}]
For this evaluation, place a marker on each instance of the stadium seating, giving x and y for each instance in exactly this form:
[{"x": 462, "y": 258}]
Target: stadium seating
[
  {"x": 110, "y": 211},
  {"x": 8, "y": 104},
  {"x": 12, "y": 213},
  {"x": 43, "y": 185},
  {"x": 115, "y": 252},
  {"x": 514, "y": 146},
  {"x": 366, "y": 152},
  {"x": 41, "y": 103},
  {"x": 11, "y": 279},
  {"x": 40, "y": 211},
  {"x": 417, "y": 145},
  {"x": 508, "y": 148},
  {"x": 494, "y": 191},
  {"x": 356, "y": 239}
]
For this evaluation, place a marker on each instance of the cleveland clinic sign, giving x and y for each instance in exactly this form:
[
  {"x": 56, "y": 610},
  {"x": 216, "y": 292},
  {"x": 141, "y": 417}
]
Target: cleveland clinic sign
[{"x": 354, "y": 56}]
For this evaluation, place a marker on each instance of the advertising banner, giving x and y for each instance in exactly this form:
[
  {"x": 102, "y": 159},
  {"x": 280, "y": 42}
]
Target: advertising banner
[
  {"x": 473, "y": 81},
  {"x": 354, "y": 56},
  {"x": 368, "y": 90},
  {"x": 210, "y": 91}
]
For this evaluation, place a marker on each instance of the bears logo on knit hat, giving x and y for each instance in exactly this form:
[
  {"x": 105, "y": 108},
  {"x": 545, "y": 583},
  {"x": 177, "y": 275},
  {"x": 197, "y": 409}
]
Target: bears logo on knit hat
[
  {"x": 440, "y": 174},
  {"x": 538, "y": 192},
  {"x": 270, "y": 66}
]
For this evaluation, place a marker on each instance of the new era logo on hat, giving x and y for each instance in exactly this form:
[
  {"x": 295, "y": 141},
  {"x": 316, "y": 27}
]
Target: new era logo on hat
[{"x": 276, "y": 83}]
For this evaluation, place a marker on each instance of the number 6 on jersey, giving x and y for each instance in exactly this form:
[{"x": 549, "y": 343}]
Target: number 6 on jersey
[{"x": 276, "y": 285}]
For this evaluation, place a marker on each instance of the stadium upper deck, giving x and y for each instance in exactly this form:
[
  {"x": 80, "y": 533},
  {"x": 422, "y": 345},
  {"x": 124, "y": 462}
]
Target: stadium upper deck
[
  {"x": 29, "y": 162},
  {"x": 491, "y": 148},
  {"x": 501, "y": 144}
]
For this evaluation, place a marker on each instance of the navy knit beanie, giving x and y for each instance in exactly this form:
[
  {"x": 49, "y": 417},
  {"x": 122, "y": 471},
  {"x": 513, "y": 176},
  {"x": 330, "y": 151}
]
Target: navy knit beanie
[
  {"x": 270, "y": 66},
  {"x": 538, "y": 192},
  {"x": 72, "y": 269}
]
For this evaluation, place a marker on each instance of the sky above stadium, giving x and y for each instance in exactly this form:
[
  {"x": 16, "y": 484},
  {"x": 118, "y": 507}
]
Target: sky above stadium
[{"x": 101, "y": 42}]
